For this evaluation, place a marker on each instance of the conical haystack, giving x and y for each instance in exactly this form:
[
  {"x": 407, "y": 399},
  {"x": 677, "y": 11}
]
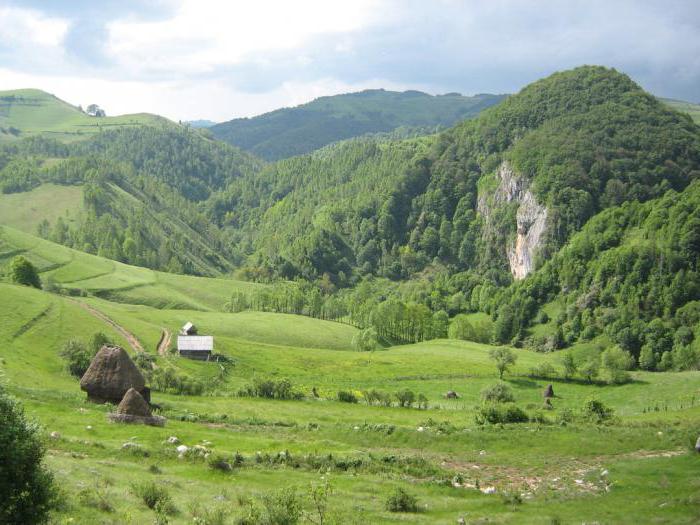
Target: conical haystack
[
  {"x": 110, "y": 374},
  {"x": 548, "y": 392},
  {"x": 134, "y": 404},
  {"x": 134, "y": 409}
]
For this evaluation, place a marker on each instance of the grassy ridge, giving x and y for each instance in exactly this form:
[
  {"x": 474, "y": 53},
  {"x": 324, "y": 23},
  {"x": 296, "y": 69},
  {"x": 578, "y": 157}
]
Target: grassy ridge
[
  {"x": 70, "y": 268},
  {"x": 27, "y": 112}
]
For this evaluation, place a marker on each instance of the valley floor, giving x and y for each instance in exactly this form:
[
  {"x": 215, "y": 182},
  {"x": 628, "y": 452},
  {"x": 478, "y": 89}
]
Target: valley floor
[{"x": 639, "y": 468}]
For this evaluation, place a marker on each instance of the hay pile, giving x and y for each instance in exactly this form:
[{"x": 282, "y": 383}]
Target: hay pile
[
  {"x": 134, "y": 409},
  {"x": 110, "y": 374}
]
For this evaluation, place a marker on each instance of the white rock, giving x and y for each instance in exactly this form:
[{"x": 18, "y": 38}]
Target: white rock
[
  {"x": 173, "y": 440},
  {"x": 182, "y": 449},
  {"x": 356, "y": 428},
  {"x": 89, "y": 427},
  {"x": 488, "y": 490},
  {"x": 578, "y": 481},
  {"x": 55, "y": 435},
  {"x": 420, "y": 429},
  {"x": 604, "y": 472},
  {"x": 482, "y": 452},
  {"x": 129, "y": 445}
]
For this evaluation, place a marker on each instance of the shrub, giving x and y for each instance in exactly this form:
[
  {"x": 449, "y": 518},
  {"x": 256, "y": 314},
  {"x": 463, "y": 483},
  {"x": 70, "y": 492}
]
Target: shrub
[
  {"x": 347, "y": 397},
  {"x": 365, "y": 340},
  {"x": 596, "y": 411},
  {"x": 23, "y": 272},
  {"x": 169, "y": 380},
  {"x": 617, "y": 361},
  {"x": 154, "y": 495},
  {"x": 78, "y": 357},
  {"x": 96, "y": 497},
  {"x": 27, "y": 488},
  {"x": 405, "y": 398},
  {"x": 401, "y": 501},
  {"x": 543, "y": 370},
  {"x": 202, "y": 515},
  {"x": 270, "y": 389},
  {"x": 282, "y": 507},
  {"x": 495, "y": 414},
  {"x": 498, "y": 393},
  {"x": 422, "y": 402},
  {"x": 219, "y": 462}
]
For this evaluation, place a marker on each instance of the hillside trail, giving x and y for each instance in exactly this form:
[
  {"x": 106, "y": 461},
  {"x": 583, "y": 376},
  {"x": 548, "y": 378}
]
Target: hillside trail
[
  {"x": 164, "y": 343},
  {"x": 131, "y": 338}
]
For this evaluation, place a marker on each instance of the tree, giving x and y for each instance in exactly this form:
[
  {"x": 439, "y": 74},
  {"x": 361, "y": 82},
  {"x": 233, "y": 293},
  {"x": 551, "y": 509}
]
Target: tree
[
  {"x": 569, "y": 364},
  {"x": 617, "y": 361},
  {"x": 365, "y": 340},
  {"x": 23, "y": 272},
  {"x": 590, "y": 369},
  {"x": 504, "y": 359},
  {"x": 25, "y": 484},
  {"x": 441, "y": 322}
]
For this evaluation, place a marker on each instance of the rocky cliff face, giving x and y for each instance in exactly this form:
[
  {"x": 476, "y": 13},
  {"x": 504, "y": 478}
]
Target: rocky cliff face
[{"x": 531, "y": 218}]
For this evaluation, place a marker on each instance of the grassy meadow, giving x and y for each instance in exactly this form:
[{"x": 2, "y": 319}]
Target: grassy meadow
[
  {"x": 637, "y": 468},
  {"x": 28, "y": 112}
]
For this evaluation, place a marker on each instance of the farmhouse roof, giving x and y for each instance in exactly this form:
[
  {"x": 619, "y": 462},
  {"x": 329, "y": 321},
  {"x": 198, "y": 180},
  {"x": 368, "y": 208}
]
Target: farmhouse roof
[{"x": 195, "y": 342}]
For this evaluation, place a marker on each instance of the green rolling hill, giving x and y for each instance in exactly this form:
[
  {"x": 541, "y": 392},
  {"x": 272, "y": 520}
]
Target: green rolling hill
[
  {"x": 30, "y": 112},
  {"x": 684, "y": 107}
]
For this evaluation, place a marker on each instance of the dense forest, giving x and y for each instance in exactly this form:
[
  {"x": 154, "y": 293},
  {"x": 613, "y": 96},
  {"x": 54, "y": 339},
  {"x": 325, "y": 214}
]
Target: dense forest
[{"x": 294, "y": 131}]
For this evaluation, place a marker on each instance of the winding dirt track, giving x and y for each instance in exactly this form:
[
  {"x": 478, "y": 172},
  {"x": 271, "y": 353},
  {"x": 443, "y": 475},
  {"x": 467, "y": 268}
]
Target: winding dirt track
[
  {"x": 164, "y": 343},
  {"x": 131, "y": 338}
]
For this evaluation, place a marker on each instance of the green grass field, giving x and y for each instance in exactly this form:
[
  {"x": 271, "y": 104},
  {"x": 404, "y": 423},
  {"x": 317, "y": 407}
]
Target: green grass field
[
  {"x": 26, "y": 210},
  {"x": 541, "y": 472},
  {"x": 27, "y": 112}
]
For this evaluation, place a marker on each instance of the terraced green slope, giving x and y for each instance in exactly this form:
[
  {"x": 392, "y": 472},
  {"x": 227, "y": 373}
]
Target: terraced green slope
[
  {"x": 78, "y": 271},
  {"x": 27, "y": 112}
]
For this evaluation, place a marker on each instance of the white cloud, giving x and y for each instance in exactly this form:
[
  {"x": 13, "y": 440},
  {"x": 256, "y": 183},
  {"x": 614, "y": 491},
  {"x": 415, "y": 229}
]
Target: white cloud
[
  {"x": 206, "y": 34},
  {"x": 208, "y": 99},
  {"x": 22, "y": 27}
]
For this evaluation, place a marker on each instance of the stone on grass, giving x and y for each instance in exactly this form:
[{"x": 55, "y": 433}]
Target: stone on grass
[
  {"x": 451, "y": 394},
  {"x": 697, "y": 445}
]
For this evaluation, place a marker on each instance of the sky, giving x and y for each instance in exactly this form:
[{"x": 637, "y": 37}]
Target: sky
[{"x": 217, "y": 60}]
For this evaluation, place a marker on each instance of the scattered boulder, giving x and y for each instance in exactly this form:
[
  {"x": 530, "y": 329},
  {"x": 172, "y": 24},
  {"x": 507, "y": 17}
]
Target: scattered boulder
[
  {"x": 697, "y": 445},
  {"x": 55, "y": 435},
  {"x": 173, "y": 440},
  {"x": 451, "y": 394},
  {"x": 548, "y": 392},
  {"x": 134, "y": 409},
  {"x": 110, "y": 374}
]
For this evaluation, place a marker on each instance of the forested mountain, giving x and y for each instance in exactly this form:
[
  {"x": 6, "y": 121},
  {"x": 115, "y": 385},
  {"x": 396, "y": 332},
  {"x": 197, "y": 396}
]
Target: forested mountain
[
  {"x": 140, "y": 191},
  {"x": 473, "y": 212},
  {"x": 293, "y": 131}
]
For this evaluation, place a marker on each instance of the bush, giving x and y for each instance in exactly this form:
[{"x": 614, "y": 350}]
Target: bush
[
  {"x": 170, "y": 381},
  {"x": 97, "y": 497},
  {"x": 26, "y": 486},
  {"x": 543, "y": 370},
  {"x": 405, "y": 398},
  {"x": 78, "y": 357},
  {"x": 219, "y": 462},
  {"x": 347, "y": 397},
  {"x": 154, "y": 495},
  {"x": 596, "y": 411},
  {"x": 401, "y": 501},
  {"x": 495, "y": 414},
  {"x": 498, "y": 393},
  {"x": 422, "y": 402},
  {"x": 375, "y": 397},
  {"x": 282, "y": 507},
  {"x": 270, "y": 389},
  {"x": 23, "y": 272},
  {"x": 504, "y": 359},
  {"x": 617, "y": 361}
]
